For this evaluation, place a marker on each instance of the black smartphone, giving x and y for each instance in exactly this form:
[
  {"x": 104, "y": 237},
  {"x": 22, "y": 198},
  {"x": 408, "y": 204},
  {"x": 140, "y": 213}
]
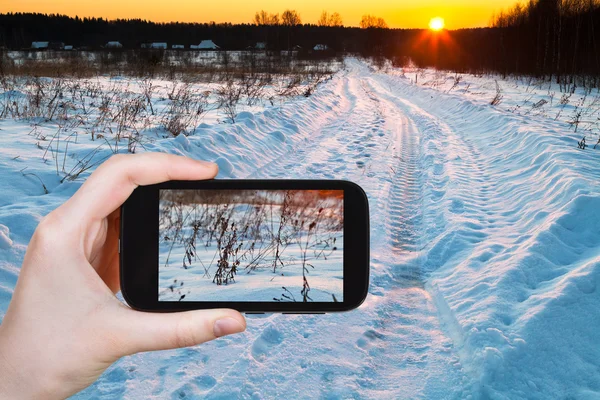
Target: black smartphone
[{"x": 291, "y": 246}]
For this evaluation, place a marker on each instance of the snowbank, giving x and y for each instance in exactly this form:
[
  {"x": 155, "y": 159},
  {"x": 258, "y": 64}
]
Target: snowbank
[{"x": 512, "y": 217}]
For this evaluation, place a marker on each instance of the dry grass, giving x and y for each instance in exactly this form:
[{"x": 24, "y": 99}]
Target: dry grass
[{"x": 118, "y": 98}]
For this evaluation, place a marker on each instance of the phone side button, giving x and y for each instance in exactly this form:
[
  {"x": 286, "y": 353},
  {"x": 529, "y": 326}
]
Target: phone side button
[{"x": 119, "y": 248}]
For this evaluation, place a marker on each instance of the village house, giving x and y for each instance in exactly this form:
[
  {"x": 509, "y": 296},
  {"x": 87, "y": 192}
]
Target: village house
[
  {"x": 205, "y": 45},
  {"x": 114, "y": 45},
  {"x": 39, "y": 45}
]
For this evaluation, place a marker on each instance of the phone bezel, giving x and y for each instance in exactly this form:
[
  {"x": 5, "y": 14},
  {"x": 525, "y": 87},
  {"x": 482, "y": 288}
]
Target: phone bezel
[{"x": 139, "y": 247}]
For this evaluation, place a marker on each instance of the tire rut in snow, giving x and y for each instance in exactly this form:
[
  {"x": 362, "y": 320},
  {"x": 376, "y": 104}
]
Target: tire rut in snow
[
  {"x": 409, "y": 355},
  {"x": 458, "y": 177}
]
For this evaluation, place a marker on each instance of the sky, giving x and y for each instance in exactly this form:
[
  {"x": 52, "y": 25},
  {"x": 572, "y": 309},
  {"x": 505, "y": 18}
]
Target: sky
[{"x": 398, "y": 13}]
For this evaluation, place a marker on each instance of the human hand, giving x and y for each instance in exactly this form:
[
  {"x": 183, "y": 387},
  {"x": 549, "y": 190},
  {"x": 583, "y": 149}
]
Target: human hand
[{"x": 64, "y": 325}]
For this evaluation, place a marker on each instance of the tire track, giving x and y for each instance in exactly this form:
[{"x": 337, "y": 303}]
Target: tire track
[{"x": 407, "y": 332}]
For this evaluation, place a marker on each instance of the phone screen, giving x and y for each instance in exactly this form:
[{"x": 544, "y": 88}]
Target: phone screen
[{"x": 251, "y": 245}]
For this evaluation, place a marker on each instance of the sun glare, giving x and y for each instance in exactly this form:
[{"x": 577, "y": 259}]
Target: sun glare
[{"x": 436, "y": 24}]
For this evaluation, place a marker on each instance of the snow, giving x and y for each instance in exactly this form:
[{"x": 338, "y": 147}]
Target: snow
[
  {"x": 5, "y": 242},
  {"x": 485, "y": 246}
]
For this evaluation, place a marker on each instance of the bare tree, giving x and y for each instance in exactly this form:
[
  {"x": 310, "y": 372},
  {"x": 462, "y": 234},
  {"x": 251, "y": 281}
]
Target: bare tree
[
  {"x": 335, "y": 19},
  {"x": 327, "y": 19},
  {"x": 261, "y": 18},
  {"x": 290, "y": 18},
  {"x": 371, "y": 21},
  {"x": 264, "y": 18},
  {"x": 323, "y": 19},
  {"x": 274, "y": 19}
]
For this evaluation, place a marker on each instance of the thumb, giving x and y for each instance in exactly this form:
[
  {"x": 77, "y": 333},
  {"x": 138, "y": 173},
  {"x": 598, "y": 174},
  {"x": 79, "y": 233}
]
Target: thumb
[{"x": 144, "y": 331}]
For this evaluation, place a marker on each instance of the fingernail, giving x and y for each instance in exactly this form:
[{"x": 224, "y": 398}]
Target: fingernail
[
  {"x": 206, "y": 163},
  {"x": 227, "y": 326}
]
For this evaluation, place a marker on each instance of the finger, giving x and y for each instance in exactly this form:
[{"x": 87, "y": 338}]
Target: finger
[
  {"x": 104, "y": 256},
  {"x": 112, "y": 183},
  {"x": 144, "y": 331}
]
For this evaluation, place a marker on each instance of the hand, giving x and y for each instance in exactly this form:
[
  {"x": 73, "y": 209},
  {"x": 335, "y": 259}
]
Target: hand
[{"x": 64, "y": 325}]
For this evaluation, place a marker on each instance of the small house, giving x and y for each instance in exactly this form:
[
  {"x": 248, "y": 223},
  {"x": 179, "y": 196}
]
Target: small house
[
  {"x": 68, "y": 47},
  {"x": 178, "y": 46},
  {"x": 158, "y": 45},
  {"x": 206, "y": 45},
  {"x": 260, "y": 46},
  {"x": 114, "y": 45},
  {"x": 40, "y": 45},
  {"x": 321, "y": 47}
]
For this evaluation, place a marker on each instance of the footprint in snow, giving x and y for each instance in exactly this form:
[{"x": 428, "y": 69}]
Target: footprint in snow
[
  {"x": 267, "y": 340},
  {"x": 194, "y": 388},
  {"x": 457, "y": 206},
  {"x": 205, "y": 381},
  {"x": 368, "y": 337}
]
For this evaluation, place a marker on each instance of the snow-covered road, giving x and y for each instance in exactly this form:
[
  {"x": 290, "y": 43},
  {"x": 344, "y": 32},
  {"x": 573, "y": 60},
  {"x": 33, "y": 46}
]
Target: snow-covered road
[
  {"x": 485, "y": 253},
  {"x": 394, "y": 345}
]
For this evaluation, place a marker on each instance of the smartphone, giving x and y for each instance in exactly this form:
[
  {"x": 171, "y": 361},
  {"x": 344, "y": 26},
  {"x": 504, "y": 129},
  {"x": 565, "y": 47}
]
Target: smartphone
[{"x": 290, "y": 246}]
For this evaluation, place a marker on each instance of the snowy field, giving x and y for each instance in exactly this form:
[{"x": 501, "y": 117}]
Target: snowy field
[
  {"x": 572, "y": 103},
  {"x": 485, "y": 240}
]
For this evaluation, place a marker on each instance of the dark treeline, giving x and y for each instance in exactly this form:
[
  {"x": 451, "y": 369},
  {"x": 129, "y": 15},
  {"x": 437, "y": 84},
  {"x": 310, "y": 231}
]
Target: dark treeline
[
  {"x": 556, "y": 39},
  {"x": 19, "y": 30},
  {"x": 552, "y": 38}
]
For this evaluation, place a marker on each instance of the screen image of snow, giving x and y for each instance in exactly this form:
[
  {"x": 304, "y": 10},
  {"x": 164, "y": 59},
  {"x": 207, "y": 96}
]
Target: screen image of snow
[{"x": 251, "y": 245}]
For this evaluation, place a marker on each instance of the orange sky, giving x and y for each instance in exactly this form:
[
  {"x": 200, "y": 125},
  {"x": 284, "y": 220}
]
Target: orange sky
[{"x": 398, "y": 14}]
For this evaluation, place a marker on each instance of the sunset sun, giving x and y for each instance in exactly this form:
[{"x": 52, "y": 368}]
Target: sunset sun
[{"x": 436, "y": 24}]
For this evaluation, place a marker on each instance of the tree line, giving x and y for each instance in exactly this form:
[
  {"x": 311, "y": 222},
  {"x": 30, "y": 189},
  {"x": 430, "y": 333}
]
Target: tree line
[
  {"x": 19, "y": 30},
  {"x": 559, "y": 39}
]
